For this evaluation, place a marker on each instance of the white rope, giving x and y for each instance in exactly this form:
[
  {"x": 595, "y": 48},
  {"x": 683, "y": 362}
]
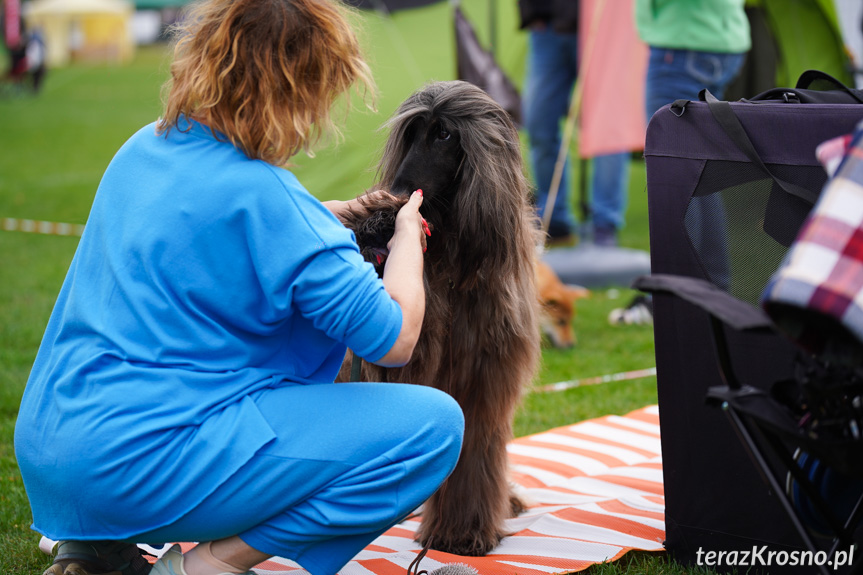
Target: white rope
[
  {"x": 622, "y": 376},
  {"x": 41, "y": 227}
]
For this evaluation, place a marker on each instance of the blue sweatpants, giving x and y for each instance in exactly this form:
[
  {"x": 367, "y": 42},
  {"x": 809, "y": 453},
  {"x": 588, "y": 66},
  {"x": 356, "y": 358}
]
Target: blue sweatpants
[{"x": 350, "y": 461}]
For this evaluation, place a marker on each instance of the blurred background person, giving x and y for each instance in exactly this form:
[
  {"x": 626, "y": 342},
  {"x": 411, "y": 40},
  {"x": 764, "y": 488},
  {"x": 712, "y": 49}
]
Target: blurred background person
[
  {"x": 35, "y": 54},
  {"x": 694, "y": 45},
  {"x": 552, "y": 70}
]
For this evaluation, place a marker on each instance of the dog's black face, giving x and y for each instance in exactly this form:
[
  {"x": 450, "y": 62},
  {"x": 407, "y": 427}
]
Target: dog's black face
[{"x": 432, "y": 164}]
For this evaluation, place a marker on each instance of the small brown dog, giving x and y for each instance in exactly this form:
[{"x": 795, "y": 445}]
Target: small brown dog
[{"x": 558, "y": 306}]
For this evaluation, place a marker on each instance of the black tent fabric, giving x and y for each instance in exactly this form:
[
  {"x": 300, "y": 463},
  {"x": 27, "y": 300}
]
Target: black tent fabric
[
  {"x": 474, "y": 63},
  {"x": 759, "y": 69},
  {"x": 389, "y": 5},
  {"x": 477, "y": 66},
  {"x": 788, "y": 38}
]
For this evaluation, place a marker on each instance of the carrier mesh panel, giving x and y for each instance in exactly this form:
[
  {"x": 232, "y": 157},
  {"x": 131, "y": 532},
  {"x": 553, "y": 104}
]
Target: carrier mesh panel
[{"x": 740, "y": 223}]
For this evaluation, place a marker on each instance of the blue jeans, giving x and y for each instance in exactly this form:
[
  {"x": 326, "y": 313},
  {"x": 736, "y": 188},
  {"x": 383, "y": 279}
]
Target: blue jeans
[
  {"x": 681, "y": 74},
  {"x": 552, "y": 69},
  {"x": 676, "y": 74}
]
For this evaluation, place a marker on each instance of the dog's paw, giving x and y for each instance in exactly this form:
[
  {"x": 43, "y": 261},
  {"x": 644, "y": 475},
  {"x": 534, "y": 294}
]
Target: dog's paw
[
  {"x": 517, "y": 504},
  {"x": 519, "y": 500},
  {"x": 475, "y": 544}
]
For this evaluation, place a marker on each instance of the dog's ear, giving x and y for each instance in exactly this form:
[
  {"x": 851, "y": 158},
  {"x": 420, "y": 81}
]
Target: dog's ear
[
  {"x": 493, "y": 214},
  {"x": 397, "y": 144},
  {"x": 576, "y": 292}
]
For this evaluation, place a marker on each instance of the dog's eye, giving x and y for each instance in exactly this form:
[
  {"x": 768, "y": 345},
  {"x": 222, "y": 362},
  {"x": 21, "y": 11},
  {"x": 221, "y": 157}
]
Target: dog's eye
[{"x": 443, "y": 135}]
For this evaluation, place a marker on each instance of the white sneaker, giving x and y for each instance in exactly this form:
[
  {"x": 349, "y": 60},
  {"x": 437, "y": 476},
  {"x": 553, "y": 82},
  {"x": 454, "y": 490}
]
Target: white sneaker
[
  {"x": 638, "y": 312},
  {"x": 171, "y": 563}
]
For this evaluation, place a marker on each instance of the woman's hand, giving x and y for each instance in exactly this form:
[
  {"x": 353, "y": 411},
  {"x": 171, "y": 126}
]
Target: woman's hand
[
  {"x": 341, "y": 208},
  {"x": 410, "y": 222},
  {"x": 403, "y": 278},
  {"x": 338, "y": 208}
]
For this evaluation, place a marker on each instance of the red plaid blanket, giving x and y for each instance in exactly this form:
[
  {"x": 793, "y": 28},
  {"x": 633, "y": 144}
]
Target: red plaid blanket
[{"x": 816, "y": 295}]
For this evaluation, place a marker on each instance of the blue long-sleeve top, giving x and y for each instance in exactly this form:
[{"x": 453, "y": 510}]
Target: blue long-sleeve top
[{"x": 201, "y": 277}]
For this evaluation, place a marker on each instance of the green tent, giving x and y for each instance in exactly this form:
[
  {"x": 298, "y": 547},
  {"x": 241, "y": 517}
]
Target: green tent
[
  {"x": 406, "y": 48},
  {"x": 788, "y": 38},
  {"x": 159, "y": 4}
]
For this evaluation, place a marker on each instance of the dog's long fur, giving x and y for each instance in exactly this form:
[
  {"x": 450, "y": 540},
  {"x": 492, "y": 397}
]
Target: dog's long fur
[{"x": 480, "y": 336}]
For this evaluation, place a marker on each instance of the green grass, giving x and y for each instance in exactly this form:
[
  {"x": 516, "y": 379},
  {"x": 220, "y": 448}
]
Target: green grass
[{"x": 54, "y": 149}]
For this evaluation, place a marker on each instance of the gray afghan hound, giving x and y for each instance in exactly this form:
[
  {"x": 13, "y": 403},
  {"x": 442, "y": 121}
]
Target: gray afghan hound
[{"x": 480, "y": 337}]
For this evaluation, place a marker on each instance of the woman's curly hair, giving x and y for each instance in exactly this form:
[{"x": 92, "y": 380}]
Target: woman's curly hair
[{"x": 265, "y": 73}]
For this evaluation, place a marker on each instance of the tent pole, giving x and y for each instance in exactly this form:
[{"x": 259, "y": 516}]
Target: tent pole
[
  {"x": 492, "y": 27},
  {"x": 586, "y": 232}
]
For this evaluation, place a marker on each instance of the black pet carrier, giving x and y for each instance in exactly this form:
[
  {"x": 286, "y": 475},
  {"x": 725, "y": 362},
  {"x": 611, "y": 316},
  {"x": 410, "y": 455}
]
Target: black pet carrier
[{"x": 729, "y": 185}]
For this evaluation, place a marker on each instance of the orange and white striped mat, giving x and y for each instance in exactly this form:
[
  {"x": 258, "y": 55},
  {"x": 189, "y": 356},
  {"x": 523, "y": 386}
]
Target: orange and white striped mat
[{"x": 596, "y": 491}]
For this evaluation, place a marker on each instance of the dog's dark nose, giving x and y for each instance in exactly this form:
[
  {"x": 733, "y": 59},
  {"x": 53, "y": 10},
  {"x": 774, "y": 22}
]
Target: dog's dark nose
[{"x": 402, "y": 186}]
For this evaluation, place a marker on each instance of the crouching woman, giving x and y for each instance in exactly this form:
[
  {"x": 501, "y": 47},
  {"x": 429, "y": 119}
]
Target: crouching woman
[{"x": 184, "y": 388}]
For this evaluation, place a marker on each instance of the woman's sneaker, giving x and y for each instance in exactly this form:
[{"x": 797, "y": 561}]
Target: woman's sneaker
[
  {"x": 171, "y": 563},
  {"x": 98, "y": 558}
]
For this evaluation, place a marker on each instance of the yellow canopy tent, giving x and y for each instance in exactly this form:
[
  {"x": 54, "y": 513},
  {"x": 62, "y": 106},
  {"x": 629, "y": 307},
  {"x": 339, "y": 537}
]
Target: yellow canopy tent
[{"x": 95, "y": 30}]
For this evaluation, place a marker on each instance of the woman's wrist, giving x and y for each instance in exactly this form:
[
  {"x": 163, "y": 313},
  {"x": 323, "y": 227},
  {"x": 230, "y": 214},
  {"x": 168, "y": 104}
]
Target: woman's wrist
[{"x": 337, "y": 207}]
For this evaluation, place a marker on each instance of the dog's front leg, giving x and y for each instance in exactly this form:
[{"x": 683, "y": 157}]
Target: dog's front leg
[{"x": 466, "y": 515}]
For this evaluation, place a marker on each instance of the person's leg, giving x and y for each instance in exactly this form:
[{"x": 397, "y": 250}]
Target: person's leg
[
  {"x": 730, "y": 66},
  {"x": 350, "y": 461},
  {"x": 609, "y": 194},
  {"x": 38, "y": 75},
  {"x": 551, "y": 72},
  {"x": 673, "y": 75},
  {"x": 713, "y": 71},
  {"x": 668, "y": 79},
  {"x": 682, "y": 74},
  {"x": 676, "y": 74}
]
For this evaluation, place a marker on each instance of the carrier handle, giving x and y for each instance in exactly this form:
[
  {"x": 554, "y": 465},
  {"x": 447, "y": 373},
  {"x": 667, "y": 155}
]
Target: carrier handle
[
  {"x": 729, "y": 122},
  {"x": 820, "y": 79}
]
